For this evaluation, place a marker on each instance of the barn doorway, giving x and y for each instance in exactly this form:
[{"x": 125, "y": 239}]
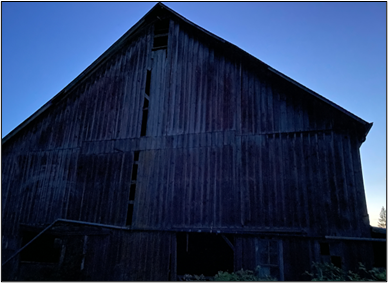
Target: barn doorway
[{"x": 200, "y": 253}]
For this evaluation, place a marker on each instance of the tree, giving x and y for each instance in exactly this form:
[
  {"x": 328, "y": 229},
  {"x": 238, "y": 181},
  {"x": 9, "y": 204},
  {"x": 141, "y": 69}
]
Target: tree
[{"x": 382, "y": 222}]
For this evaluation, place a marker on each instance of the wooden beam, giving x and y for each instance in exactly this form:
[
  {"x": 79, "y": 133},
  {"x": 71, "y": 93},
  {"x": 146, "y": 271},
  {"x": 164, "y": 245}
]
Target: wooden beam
[
  {"x": 355, "y": 239},
  {"x": 228, "y": 242}
]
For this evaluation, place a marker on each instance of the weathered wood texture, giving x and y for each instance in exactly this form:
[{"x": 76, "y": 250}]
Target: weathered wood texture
[
  {"x": 279, "y": 164},
  {"x": 134, "y": 256},
  {"x": 292, "y": 180},
  {"x": 228, "y": 144},
  {"x": 105, "y": 254}
]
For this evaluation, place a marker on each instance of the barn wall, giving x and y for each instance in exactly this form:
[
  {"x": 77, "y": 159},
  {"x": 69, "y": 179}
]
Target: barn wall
[
  {"x": 105, "y": 106},
  {"x": 203, "y": 87},
  {"x": 39, "y": 187},
  {"x": 98, "y": 253},
  {"x": 195, "y": 88},
  {"x": 136, "y": 256},
  {"x": 301, "y": 181},
  {"x": 226, "y": 146}
]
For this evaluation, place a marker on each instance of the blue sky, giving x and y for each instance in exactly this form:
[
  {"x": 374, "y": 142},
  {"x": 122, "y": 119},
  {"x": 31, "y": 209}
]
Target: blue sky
[{"x": 337, "y": 49}]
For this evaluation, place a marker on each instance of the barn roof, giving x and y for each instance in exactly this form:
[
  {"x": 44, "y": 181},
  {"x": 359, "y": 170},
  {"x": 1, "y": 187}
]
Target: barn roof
[{"x": 148, "y": 18}]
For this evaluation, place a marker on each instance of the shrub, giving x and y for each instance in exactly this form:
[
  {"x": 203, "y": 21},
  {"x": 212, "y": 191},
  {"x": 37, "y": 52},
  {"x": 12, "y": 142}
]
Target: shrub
[
  {"x": 189, "y": 277},
  {"x": 241, "y": 275},
  {"x": 329, "y": 272}
]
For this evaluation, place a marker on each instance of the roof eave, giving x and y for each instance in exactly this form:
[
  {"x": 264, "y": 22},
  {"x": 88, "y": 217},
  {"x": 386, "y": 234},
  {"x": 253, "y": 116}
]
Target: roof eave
[
  {"x": 367, "y": 126},
  {"x": 86, "y": 73}
]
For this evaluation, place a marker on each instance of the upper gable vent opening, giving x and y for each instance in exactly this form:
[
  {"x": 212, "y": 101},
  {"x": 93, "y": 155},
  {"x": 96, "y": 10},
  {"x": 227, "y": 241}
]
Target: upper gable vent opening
[
  {"x": 161, "y": 26},
  {"x": 161, "y": 34}
]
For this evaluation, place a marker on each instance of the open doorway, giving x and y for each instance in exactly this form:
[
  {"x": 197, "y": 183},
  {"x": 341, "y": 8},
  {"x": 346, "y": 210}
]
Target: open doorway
[{"x": 204, "y": 253}]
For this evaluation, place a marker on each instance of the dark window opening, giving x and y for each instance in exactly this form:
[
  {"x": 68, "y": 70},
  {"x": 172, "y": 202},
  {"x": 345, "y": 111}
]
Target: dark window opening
[
  {"x": 162, "y": 26},
  {"x": 379, "y": 251},
  {"x": 325, "y": 248},
  {"x": 336, "y": 260},
  {"x": 129, "y": 214},
  {"x": 134, "y": 172},
  {"x": 145, "y": 105},
  {"x": 203, "y": 254},
  {"x": 160, "y": 42},
  {"x": 268, "y": 252},
  {"x": 144, "y": 123},
  {"x": 132, "y": 192},
  {"x": 148, "y": 82},
  {"x": 136, "y": 156},
  {"x": 268, "y": 258},
  {"x": 46, "y": 248}
]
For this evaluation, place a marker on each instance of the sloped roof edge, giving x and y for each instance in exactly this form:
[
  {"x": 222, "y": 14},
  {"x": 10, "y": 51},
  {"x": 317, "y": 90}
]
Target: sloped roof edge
[
  {"x": 115, "y": 47},
  {"x": 358, "y": 119},
  {"x": 100, "y": 60},
  {"x": 367, "y": 125}
]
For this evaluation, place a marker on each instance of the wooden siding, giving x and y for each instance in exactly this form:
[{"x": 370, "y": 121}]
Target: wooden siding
[
  {"x": 267, "y": 161},
  {"x": 131, "y": 256},
  {"x": 300, "y": 180},
  {"x": 195, "y": 89},
  {"x": 96, "y": 253},
  {"x": 228, "y": 146},
  {"x": 210, "y": 180}
]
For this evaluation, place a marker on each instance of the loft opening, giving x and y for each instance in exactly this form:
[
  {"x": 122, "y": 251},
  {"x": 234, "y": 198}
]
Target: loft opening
[
  {"x": 161, "y": 26},
  {"x": 144, "y": 118},
  {"x": 129, "y": 214},
  {"x": 134, "y": 172},
  {"x": 132, "y": 188},
  {"x": 148, "y": 83},
  {"x": 203, "y": 253},
  {"x": 161, "y": 34},
  {"x": 136, "y": 155},
  {"x": 46, "y": 248},
  {"x": 160, "y": 42}
]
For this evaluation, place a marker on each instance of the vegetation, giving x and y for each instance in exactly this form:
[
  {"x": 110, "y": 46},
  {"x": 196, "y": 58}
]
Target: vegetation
[
  {"x": 321, "y": 272},
  {"x": 382, "y": 222},
  {"x": 329, "y": 272},
  {"x": 241, "y": 275}
]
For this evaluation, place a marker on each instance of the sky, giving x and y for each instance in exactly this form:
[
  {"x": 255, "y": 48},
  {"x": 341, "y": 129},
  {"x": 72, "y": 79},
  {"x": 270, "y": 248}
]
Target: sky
[{"x": 337, "y": 49}]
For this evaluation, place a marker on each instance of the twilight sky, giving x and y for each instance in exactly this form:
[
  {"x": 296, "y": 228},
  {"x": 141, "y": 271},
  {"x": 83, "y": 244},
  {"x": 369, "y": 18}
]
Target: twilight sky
[{"x": 337, "y": 49}]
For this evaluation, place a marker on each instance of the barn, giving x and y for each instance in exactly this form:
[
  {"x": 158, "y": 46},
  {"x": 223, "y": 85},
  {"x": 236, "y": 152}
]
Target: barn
[{"x": 176, "y": 153}]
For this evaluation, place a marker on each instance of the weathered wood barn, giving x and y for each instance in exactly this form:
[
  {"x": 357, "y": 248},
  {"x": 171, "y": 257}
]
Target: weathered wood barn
[{"x": 176, "y": 153}]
